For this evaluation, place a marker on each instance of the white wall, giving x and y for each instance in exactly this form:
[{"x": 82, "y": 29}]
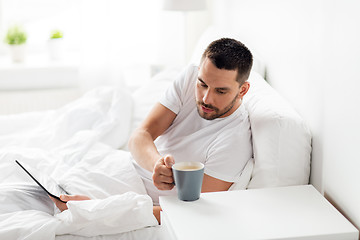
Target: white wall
[
  {"x": 312, "y": 50},
  {"x": 341, "y": 111}
]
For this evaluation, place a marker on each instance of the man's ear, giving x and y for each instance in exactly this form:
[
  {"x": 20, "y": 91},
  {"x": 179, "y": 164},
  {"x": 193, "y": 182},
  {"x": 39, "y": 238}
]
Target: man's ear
[{"x": 244, "y": 89}]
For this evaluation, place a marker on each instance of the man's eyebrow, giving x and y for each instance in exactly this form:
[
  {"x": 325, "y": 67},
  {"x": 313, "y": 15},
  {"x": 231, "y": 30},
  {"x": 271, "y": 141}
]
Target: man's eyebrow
[
  {"x": 201, "y": 81},
  {"x": 219, "y": 88},
  {"x": 223, "y": 88}
]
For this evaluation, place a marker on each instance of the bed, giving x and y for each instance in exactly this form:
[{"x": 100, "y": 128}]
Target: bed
[{"x": 81, "y": 144}]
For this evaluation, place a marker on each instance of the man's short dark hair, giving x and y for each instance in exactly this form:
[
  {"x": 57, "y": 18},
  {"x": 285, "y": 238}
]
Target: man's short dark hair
[{"x": 230, "y": 54}]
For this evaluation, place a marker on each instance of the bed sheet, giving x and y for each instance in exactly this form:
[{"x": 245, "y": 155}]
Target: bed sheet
[
  {"x": 77, "y": 146},
  {"x": 148, "y": 233}
]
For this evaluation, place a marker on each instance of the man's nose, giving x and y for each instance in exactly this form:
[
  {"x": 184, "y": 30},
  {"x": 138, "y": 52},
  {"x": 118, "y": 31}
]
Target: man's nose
[{"x": 207, "y": 99}]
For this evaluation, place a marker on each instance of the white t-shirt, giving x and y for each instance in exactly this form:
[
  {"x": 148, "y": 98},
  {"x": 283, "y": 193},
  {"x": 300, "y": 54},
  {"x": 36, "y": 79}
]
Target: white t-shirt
[{"x": 223, "y": 145}]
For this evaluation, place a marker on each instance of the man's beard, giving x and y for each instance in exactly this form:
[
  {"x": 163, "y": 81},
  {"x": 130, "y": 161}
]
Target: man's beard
[{"x": 216, "y": 113}]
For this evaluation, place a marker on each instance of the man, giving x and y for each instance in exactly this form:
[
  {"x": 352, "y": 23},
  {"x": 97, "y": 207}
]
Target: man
[{"x": 200, "y": 118}]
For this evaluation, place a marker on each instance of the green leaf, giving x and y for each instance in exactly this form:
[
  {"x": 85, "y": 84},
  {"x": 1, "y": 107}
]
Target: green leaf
[
  {"x": 56, "y": 34},
  {"x": 15, "y": 35}
]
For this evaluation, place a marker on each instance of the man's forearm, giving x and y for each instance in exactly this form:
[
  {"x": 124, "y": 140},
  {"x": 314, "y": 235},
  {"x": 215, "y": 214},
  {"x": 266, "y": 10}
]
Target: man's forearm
[{"x": 143, "y": 149}]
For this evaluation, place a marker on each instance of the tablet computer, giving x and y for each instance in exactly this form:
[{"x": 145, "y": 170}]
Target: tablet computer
[{"x": 48, "y": 184}]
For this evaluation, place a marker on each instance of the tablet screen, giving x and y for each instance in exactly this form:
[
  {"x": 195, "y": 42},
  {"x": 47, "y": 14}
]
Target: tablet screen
[{"x": 48, "y": 184}]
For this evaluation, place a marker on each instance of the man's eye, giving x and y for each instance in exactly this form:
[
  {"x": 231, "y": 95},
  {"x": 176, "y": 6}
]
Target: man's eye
[
  {"x": 220, "y": 92},
  {"x": 202, "y": 85}
]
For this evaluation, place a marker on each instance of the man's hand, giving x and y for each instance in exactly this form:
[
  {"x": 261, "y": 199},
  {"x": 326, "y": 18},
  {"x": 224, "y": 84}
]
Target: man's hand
[
  {"x": 62, "y": 206},
  {"x": 162, "y": 173}
]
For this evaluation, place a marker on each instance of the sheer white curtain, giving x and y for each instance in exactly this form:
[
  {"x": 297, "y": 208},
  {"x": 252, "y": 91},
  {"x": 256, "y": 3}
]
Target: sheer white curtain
[
  {"x": 110, "y": 36},
  {"x": 115, "y": 37}
]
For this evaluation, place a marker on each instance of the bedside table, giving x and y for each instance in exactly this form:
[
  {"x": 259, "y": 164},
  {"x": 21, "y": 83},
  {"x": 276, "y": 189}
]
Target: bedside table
[{"x": 297, "y": 212}]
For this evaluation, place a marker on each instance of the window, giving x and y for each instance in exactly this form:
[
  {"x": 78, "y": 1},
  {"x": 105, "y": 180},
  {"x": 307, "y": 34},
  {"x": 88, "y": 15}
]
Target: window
[
  {"x": 126, "y": 30},
  {"x": 108, "y": 35}
]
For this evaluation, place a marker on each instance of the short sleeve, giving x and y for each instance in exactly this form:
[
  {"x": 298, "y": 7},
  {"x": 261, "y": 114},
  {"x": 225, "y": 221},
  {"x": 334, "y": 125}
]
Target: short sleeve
[
  {"x": 173, "y": 98},
  {"x": 228, "y": 154}
]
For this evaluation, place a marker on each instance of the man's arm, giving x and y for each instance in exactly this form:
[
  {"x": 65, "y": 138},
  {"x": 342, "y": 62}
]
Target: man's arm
[
  {"x": 143, "y": 149},
  {"x": 211, "y": 184}
]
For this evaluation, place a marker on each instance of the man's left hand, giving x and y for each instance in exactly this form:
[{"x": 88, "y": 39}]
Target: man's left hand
[{"x": 62, "y": 206}]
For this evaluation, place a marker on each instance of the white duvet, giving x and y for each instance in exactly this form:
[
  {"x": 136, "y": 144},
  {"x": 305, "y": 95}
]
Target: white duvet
[{"x": 76, "y": 145}]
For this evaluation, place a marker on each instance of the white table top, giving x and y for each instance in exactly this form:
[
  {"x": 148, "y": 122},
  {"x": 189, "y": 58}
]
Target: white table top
[{"x": 298, "y": 212}]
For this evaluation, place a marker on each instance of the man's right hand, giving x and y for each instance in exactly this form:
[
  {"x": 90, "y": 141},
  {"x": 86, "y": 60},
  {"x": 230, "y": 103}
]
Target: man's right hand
[{"x": 162, "y": 173}]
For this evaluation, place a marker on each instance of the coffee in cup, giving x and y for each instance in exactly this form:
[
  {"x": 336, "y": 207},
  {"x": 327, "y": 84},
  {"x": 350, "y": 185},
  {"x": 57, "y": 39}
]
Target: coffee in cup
[{"x": 188, "y": 177}]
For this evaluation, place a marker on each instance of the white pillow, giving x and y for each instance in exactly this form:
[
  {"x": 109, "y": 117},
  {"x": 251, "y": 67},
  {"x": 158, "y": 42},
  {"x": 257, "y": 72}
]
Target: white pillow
[{"x": 281, "y": 139}]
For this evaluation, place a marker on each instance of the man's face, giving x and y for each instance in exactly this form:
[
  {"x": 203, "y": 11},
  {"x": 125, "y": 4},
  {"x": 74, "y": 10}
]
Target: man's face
[{"x": 218, "y": 94}]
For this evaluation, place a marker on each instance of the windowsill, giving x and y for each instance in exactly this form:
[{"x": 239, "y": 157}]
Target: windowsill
[{"x": 39, "y": 72}]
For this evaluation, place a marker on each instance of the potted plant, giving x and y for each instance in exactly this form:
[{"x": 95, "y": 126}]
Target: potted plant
[
  {"x": 16, "y": 38},
  {"x": 56, "y": 45}
]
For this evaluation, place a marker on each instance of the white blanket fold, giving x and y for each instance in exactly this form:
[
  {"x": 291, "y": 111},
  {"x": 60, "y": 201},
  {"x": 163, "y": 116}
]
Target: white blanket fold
[{"x": 115, "y": 214}]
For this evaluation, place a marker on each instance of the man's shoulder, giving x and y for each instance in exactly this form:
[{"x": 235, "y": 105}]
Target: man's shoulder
[
  {"x": 193, "y": 67},
  {"x": 189, "y": 77},
  {"x": 191, "y": 71}
]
